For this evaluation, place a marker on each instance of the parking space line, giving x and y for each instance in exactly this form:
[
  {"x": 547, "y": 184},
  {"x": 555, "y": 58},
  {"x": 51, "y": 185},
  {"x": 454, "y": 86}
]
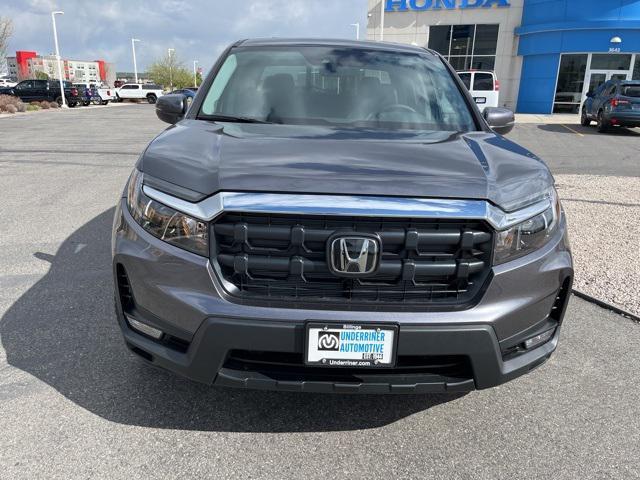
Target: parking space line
[{"x": 572, "y": 130}]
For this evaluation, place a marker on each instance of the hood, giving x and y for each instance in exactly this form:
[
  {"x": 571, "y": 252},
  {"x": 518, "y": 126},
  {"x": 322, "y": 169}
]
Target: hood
[{"x": 208, "y": 157}]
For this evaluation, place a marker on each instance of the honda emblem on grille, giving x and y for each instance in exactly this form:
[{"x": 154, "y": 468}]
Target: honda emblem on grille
[{"x": 353, "y": 255}]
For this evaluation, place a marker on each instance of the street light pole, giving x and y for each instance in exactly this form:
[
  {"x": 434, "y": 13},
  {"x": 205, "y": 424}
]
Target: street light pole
[
  {"x": 135, "y": 65},
  {"x": 170, "y": 51},
  {"x": 195, "y": 74},
  {"x": 55, "y": 40},
  {"x": 382, "y": 20},
  {"x": 357, "y": 25}
]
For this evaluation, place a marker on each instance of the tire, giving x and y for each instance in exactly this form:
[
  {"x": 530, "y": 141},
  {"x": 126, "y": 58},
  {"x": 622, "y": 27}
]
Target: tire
[
  {"x": 104, "y": 102},
  {"x": 603, "y": 125},
  {"x": 584, "y": 120},
  {"x": 58, "y": 100},
  {"x": 72, "y": 104},
  {"x": 86, "y": 104},
  {"x": 151, "y": 98}
]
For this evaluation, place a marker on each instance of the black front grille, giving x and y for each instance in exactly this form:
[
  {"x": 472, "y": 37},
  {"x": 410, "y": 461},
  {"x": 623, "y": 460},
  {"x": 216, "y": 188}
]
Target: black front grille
[
  {"x": 282, "y": 260},
  {"x": 291, "y": 366}
]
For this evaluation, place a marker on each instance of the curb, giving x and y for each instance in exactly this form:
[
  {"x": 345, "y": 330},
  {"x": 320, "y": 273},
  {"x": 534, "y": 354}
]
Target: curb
[{"x": 606, "y": 305}]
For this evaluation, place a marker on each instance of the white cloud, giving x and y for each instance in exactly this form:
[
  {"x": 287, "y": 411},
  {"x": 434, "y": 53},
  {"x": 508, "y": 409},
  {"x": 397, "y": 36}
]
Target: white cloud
[{"x": 197, "y": 29}]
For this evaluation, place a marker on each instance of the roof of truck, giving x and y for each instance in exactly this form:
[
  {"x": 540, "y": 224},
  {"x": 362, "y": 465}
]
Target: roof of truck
[{"x": 389, "y": 46}]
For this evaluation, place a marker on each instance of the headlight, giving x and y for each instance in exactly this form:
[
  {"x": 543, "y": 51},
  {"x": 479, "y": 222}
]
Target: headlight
[
  {"x": 165, "y": 223},
  {"x": 529, "y": 235}
]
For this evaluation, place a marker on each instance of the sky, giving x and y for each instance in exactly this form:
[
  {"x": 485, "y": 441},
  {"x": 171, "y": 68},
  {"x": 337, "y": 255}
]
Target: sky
[{"x": 196, "y": 29}]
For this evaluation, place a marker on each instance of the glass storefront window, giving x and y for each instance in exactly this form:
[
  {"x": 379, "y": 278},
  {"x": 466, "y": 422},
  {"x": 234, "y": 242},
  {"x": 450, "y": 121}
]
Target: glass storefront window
[
  {"x": 484, "y": 63},
  {"x": 439, "y": 39},
  {"x": 460, "y": 63},
  {"x": 609, "y": 61},
  {"x": 570, "y": 83},
  {"x": 595, "y": 81},
  {"x": 486, "y": 40},
  {"x": 466, "y": 46},
  {"x": 462, "y": 39}
]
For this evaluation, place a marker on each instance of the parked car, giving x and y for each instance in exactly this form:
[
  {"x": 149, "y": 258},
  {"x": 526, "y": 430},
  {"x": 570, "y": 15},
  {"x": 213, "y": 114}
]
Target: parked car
[
  {"x": 338, "y": 217},
  {"x": 47, "y": 90},
  {"x": 7, "y": 83},
  {"x": 137, "y": 91},
  {"x": 92, "y": 93},
  {"x": 614, "y": 103},
  {"x": 483, "y": 85},
  {"x": 189, "y": 94}
]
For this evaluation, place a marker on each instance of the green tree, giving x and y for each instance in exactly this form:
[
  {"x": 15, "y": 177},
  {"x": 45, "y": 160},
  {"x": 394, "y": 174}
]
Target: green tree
[
  {"x": 41, "y": 75},
  {"x": 170, "y": 71}
]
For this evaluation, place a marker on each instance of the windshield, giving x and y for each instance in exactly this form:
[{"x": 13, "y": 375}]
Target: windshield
[{"x": 340, "y": 86}]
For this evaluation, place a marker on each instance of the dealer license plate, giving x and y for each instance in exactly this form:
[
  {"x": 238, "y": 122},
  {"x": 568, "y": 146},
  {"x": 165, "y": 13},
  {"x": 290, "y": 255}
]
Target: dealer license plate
[{"x": 359, "y": 345}]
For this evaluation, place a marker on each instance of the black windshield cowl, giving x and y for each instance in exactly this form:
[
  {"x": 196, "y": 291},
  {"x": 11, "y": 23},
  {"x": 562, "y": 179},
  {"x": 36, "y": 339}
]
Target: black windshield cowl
[{"x": 232, "y": 119}]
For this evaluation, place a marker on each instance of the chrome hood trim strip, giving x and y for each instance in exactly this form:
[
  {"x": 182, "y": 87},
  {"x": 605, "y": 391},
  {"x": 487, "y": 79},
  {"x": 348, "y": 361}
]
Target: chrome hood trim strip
[{"x": 349, "y": 205}]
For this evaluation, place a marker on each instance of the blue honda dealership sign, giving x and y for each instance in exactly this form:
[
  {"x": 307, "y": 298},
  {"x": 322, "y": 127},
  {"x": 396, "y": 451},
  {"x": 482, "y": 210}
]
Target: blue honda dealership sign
[{"x": 406, "y": 5}]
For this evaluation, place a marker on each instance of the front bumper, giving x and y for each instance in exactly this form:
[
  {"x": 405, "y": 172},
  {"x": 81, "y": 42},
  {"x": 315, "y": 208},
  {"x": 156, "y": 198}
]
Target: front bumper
[{"x": 178, "y": 293}]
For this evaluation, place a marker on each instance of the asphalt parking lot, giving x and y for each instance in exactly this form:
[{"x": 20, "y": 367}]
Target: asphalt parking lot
[{"x": 75, "y": 404}]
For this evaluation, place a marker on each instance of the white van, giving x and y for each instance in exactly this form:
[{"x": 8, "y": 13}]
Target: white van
[{"x": 483, "y": 85}]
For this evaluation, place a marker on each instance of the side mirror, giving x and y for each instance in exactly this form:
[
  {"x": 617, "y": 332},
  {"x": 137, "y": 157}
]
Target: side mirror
[
  {"x": 501, "y": 120},
  {"x": 171, "y": 108}
]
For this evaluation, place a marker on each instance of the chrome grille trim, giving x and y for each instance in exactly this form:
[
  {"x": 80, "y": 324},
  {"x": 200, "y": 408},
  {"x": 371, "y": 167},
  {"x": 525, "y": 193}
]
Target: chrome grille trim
[{"x": 349, "y": 205}]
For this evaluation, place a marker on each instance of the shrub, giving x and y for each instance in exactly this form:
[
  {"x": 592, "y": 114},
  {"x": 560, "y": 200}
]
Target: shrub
[
  {"x": 44, "y": 105},
  {"x": 10, "y": 109},
  {"x": 8, "y": 100},
  {"x": 32, "y": 107},
  {"x": 21, "y": 107},
  {"x": 53, "y": 104}
]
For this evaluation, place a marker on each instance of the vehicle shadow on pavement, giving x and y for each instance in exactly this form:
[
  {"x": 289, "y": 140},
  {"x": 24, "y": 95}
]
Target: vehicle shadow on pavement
[
  {"x": 591, "y": 130},
  {"x": 63, "y": 331}
]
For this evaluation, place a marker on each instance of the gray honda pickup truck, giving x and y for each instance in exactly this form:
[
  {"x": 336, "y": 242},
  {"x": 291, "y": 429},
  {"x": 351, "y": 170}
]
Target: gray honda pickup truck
[{"x": 338, "y": 216}]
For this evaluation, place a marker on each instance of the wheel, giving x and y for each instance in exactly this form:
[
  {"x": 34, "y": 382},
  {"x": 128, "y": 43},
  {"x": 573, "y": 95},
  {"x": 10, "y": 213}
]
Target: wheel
[
  {"x": 72, "y": 104},
  {"x": 105, "y": 102},
  {"x": 584, "y": 120},
  {"x": 603, "y": 125},
  {"x": 86, "y": 104},
  {"x": 151, "y": 98},
  {"x": 58, "y": 100}
]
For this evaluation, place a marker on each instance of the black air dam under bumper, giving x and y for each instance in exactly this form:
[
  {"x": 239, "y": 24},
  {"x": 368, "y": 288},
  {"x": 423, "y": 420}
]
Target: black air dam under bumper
[{"x": 204, "y": 361}]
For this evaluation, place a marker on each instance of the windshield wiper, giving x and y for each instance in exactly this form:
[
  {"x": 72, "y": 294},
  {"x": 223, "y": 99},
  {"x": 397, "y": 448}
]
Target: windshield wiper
[{"x": 232, "y": 119}]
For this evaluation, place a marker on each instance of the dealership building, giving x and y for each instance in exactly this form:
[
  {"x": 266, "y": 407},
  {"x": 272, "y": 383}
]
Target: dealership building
[{"x": 547, "y": 54}]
